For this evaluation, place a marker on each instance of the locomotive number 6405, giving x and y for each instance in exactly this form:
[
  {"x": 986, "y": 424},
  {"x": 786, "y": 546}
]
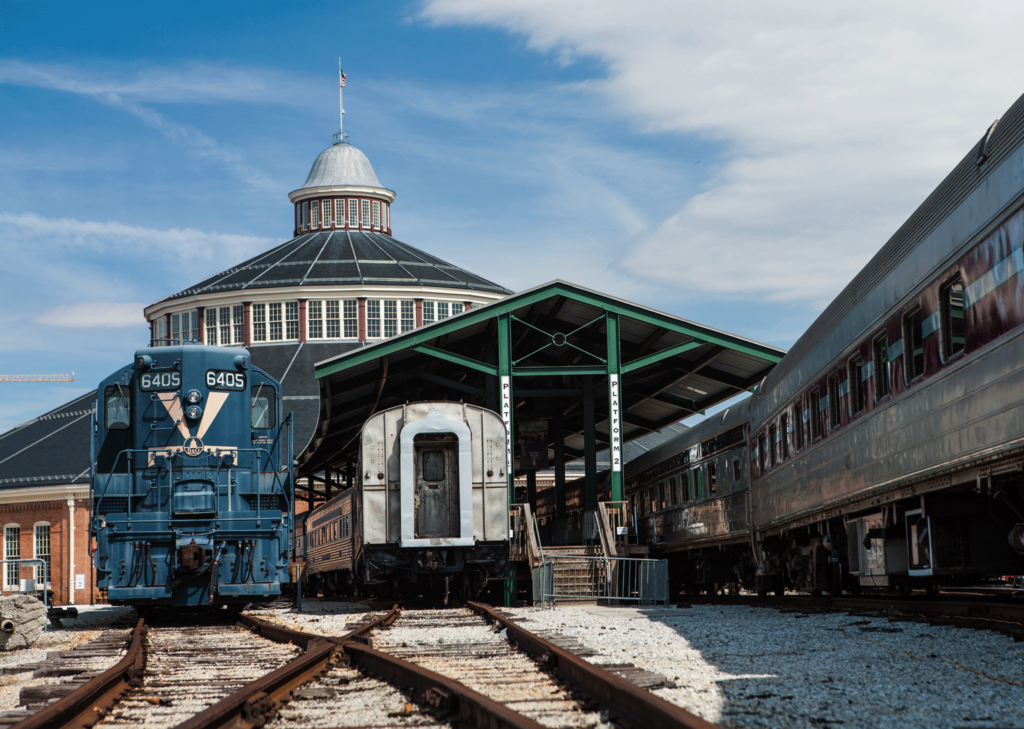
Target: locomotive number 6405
[
  {"x": 225, "y": 380},
  {"x": 168, "y": 380}
]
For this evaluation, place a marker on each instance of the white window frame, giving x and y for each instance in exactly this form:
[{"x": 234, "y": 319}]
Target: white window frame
[
  {"x": 353, "y": 213},
  {"x": 387, "y": 216},
  {"x": 12, "y": 568},
  {"x": 48, "y": 557},
  {"x": 291, "y": 320},
  {"x": 364, "y": 214},
  {"x": 428, "y": 312},
  {"x": 275, "y": 316},
  {"x": 339, "y": 212},
  {"x": 376, "y": 214},
  {"x": 305, "y": 215},
  {"x": 326, "y": 207},
  {"x": 314, "y": 215},
  {"x": 407, "y": 316},
  {"x": 374, "y": 324},
  {"x": 259, "y": 323}
]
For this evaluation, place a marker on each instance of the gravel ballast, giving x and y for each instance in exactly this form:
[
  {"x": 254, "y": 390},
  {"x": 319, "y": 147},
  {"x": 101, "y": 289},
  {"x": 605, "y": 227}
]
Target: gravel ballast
[
  {"x": 742, "y": 666},
  {"x": 755, "y": 667}
]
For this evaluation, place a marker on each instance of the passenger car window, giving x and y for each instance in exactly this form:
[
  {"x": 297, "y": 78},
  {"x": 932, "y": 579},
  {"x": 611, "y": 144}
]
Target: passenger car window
[
  {"x": 913, "y": 345},
  {"x": 883, "y": 384},
  {"x": 798, "y": 425},
  {"x": 854, "y": 380},
  {"x": 433, "y": 465},
  {"x": 952, "y": 297},
  {"x": 833, "y": 401},
  {"x": 784, "y": 436},
  {"x": 815, "y": 414}
]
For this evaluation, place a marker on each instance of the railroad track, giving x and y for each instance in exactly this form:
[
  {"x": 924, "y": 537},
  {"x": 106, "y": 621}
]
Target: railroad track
[
  {"x": 981, "y": 611},
  {"x": 478, "y": 678}
]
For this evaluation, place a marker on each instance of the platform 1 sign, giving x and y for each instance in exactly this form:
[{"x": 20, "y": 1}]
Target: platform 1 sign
[{"x": 506, "y": 416}]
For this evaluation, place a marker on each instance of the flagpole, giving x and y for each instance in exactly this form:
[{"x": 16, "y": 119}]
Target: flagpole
[{"x": 341, "y": 104}]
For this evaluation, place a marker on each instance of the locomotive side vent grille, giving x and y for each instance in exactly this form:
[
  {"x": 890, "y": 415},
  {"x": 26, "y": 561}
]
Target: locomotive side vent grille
[
  {"x": 114, "y": 505},
  {"x": 268, "y": 502}
]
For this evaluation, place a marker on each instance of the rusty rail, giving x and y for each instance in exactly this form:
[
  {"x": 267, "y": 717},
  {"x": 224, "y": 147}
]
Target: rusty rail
[
  {"x": 258, "y": 702},
  {"x": 88, "y": 704},
  {"x": 441, "y": 693},
  {"x": 628, "y": 703}
]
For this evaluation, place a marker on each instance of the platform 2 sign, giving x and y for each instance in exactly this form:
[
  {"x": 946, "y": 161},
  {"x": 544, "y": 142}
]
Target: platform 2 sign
[{"x": 613, "y": 402}]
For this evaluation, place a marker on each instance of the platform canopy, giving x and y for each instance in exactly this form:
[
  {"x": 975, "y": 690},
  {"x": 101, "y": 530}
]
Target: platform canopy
[{"x": 568, "y": 368}]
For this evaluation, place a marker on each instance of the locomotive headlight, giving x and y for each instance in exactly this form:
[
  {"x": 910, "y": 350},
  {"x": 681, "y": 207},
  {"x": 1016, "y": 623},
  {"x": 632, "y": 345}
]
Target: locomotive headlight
[
  {"x": 194, "y": 396},
  {"x": 193, "y": 412},
  {"x": 144, "y": 362}
]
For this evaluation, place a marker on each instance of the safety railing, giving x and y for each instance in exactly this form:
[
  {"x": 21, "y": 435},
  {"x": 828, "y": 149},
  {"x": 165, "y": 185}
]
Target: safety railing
[
  {"x": 24, "y": 586},
  {"x": 526, "y": 544},
  {"x": 615, "y": 580}
]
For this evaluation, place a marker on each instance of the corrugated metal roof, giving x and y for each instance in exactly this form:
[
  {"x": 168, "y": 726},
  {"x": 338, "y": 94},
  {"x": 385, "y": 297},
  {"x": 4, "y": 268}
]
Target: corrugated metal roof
[{"x": 719, "y": 366}]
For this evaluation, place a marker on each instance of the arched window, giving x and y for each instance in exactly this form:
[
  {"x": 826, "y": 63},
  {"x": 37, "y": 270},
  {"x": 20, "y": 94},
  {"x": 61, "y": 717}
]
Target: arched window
[
  {"x": 42, "y": 550},
  {"x": 12, "y": 553}
]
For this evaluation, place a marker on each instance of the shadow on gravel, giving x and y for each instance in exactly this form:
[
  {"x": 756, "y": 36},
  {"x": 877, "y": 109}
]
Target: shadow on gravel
[{"x": 778, "y": 669}]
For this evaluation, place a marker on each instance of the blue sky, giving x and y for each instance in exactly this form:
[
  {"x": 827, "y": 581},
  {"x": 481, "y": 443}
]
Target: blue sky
[{"x": 733, "y": 165}]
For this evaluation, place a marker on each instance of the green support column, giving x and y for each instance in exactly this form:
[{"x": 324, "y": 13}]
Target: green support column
[
  {"x": 559, "y": 436},
  {"x": 589, "y": 442},
  {"x": 614, "y": 406},
  {"x": 505, "y": 408}
]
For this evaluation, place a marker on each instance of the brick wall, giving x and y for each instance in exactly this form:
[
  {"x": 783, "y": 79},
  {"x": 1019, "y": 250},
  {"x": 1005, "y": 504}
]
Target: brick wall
[{"x": 26, "y": 516}]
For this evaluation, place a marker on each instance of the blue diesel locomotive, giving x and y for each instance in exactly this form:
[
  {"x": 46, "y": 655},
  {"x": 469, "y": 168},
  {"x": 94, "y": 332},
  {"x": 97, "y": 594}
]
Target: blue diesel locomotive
[{"x": 191, "y": 488}]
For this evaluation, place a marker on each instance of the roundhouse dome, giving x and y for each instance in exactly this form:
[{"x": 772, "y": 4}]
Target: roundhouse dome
[{"x": 341, "y": 165}]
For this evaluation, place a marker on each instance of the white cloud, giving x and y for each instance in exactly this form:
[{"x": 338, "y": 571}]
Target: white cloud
[
  {"x": 198, "y": 83},
  {"x": 192, "y": 83},
  {"x": 93, "y": 315},
  {"x": 60, "y": 236},
  {"x": 838, "y": 119}
]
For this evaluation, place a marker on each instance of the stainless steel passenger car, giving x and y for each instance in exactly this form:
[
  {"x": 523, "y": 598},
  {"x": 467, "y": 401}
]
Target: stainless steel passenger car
[
  {"x": 886, "y": 449},
  {"x": 430, "y": 511},
  {"x": 688, "y": 500},
  {"x": 889, "y": 442}
]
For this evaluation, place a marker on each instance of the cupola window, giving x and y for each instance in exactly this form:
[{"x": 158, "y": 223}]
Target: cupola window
[
  {"x": 339, "y": 212},
  {"x": 326, "y": 207},
  {"x": 291, "y": 319},
  {"x": 376, "y": 215},
  {"x": 185, "y": 326},
  {"x": 428, "y": 312},
  {"x": 305, "y": 215},
  {"x": 365, "y": 220},
  {"x": 408, "y": 316},
  {"x": 315, "y": 213},
  {"x": 353, "y": 213},
  {"x": 259, "y": 322}
]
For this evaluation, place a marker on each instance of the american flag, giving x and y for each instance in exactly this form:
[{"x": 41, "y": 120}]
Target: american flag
[{"x": 343, "y": 79}]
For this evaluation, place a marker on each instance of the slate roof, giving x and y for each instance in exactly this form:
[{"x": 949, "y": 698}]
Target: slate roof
[
  {"x": 341, "y": 258},
  {"x": 50, "y": 450}
]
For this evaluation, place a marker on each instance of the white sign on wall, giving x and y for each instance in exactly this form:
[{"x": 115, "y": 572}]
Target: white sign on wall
[
  {"x": 79, "y": 582},
  {"x": 616, "y": 424},
  {"x": 506, "y": 416}
]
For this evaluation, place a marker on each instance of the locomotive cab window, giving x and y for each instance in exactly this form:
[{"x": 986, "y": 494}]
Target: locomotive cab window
[
  {"x": 116, "y": 407},
  {"x": 913, "y": 345},
  {"x": 854, "y": 380},
  {"x": 952, "y": 298},
  {"x": 883, "y": 384},
  {"x": 433, "y": 466},
  {"x": 264, "y": 404}
]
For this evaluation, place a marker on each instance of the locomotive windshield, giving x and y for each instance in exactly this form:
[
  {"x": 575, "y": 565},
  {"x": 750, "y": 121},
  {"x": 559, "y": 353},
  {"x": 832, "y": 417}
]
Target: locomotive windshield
[
  {"x": 263, "y": 402},
  {"x": 116, "y": 407}
]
